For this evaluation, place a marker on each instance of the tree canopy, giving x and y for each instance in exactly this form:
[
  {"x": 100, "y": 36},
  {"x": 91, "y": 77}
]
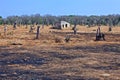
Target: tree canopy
[{"x": 1, "y": 20}]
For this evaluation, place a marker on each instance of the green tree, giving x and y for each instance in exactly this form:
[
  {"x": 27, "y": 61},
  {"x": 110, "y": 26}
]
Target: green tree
[{"x": 1, "y": 20}]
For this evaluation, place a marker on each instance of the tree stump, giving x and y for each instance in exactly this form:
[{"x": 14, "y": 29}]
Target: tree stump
[
  {"x": 75, "y": 29},
  {"x": 14, "y": 26},
  {"x": 5, "y": 29},
  {"x": 38, "y": 30},
  {"x": 99, "y": 35},
  {"x": 110, "y": 29}
]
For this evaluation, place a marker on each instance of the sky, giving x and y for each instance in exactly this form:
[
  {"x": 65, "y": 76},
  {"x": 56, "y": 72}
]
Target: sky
[{"x": 59, "y": 7}]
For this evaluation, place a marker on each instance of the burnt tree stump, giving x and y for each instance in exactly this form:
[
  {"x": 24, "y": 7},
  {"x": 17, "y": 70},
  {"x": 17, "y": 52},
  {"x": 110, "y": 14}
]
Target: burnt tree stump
[
  {"x": 99, "y": 35},
  {"x": 110, "y": 28},
  {"x": 5, "y": 29},
  {"x": 14, "y": 26},
  {"x": 75, "y": 29},
  {"x": 38, "y": 31}
]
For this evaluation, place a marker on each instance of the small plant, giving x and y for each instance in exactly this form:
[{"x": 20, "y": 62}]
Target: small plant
[
  {"x": 58, "y": 40},
  {"x": 67, "y": 39},
  {"x": 10, "y": 33},
  {"x": 16, "y": 43},
  {"x": 32, "y": 28},
  {"x": 110, "y": 29}
]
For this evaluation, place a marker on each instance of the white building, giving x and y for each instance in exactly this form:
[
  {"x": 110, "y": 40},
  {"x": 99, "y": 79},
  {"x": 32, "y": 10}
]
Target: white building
[{"x": 65, "y": 25}]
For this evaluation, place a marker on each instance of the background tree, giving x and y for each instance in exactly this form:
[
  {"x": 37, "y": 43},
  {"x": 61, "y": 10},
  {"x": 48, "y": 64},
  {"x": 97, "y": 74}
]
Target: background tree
[
  {"x": 1, "y": 20},
  {"x": 73, "y": 19}
]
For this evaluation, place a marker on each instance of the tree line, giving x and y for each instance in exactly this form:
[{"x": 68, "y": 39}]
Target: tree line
[{"x": 107, "y": 20}]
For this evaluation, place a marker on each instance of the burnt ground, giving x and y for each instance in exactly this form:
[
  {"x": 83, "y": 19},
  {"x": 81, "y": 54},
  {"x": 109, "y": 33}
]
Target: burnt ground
[{"x": 61, "y": 62}]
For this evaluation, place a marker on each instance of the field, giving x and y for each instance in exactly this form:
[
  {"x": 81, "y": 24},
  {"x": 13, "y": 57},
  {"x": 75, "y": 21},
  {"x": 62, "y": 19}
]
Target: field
[{"x": 22, "y": 57}]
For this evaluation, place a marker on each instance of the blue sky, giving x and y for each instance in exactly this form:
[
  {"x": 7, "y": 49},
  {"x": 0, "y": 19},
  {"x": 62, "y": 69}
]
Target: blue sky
[{"x": 59, "y": 7}]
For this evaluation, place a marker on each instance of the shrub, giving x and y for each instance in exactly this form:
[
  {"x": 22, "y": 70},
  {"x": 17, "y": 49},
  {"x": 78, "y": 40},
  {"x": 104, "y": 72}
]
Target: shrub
[
  {"x": 10, "y": 33},
  {"x": 67, "y": 39},
  {"x": 58, "y": 40}
]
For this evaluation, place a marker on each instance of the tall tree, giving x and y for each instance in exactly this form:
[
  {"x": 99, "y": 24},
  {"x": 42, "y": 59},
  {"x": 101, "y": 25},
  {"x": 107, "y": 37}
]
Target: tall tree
[{"x": 1, "y": 20}]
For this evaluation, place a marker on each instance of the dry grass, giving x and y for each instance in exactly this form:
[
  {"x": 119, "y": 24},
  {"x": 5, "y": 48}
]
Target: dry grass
[{"x": 24, "y": 58}]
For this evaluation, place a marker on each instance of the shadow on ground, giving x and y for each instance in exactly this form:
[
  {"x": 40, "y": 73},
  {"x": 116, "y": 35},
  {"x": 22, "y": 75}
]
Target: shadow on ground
[
  {"x": 103, "y": 49},
  {"x": 8, "y": 58}
]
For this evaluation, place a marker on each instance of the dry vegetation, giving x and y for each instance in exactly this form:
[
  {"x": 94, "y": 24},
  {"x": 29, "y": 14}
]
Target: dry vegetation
[{"x": 24, "y": 58}]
